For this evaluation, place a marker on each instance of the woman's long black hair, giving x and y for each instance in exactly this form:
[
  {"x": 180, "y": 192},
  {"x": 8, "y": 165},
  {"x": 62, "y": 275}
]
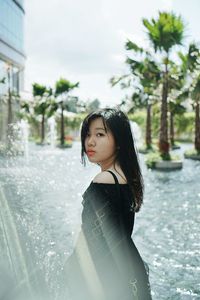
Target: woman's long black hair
[{"x": 117, "y": 122}]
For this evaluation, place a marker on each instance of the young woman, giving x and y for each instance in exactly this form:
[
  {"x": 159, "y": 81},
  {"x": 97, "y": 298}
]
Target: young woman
[{"x": 105, "y": 264}]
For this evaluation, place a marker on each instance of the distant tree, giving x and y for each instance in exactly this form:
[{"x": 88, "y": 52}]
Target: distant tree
[
  {"x": 147, "y": 71},
  {"x": 43, "y": 102},
  {"x": 72, "y": 104},
  {"x": 93, "y": 105},
  {"x": 195, "y": 94},
  {"x": 176, "y": 83},
  {"x": 39, "y": 90},
  {"x": 191, "y": 70},
  {"x": 165, "y": 32},
  {"x": 62, "y": 89},
  {"x": 144, "y": 79},
  {"x": 175, "y": 108}
]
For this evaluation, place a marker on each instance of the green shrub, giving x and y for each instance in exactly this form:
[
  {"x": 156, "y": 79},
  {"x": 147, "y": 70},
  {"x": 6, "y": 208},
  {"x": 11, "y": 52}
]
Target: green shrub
[
  {"x": 192, "y": 153},
  {"x": 139, "y": 117},
  {"x": 183, "y": 124}
]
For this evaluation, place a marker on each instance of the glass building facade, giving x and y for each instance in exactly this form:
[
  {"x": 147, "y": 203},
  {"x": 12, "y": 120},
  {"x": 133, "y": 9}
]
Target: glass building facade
[{"x": 12, "y": 57}]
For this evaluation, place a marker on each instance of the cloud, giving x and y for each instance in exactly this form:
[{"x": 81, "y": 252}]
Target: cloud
[
  {"x": 84, "y": 40},
  {"x": 136, "y": 38},
  {"x": 167, "y": 5},
  {"x": 70, "y": 36}
]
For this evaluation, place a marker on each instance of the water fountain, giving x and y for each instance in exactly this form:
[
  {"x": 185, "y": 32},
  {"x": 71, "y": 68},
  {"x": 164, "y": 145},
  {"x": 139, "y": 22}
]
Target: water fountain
[
  {"x": 16, "y": 142},
  {"x": 52, "y": 132},
  {"x": 14, "y": 262},
  {"x": 137, "y": 133},
  {"x": 24, "y": 134}
]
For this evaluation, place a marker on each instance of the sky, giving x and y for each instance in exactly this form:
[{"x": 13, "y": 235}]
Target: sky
[{"x": 84, "y": 41}]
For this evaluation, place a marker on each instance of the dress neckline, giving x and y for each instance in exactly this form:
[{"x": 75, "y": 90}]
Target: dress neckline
[{"x": 92, "y": 182}]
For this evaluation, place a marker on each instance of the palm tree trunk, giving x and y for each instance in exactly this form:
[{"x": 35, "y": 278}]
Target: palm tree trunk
[
  {"x": 172, "y": 129},
  {"x": 148, "y": 128},
  {"x": 42, "y": 129},
  {"x": 197, "y": 127},
  {"x": 163, "y": 138},
  {"x": 62, "y": 137}
]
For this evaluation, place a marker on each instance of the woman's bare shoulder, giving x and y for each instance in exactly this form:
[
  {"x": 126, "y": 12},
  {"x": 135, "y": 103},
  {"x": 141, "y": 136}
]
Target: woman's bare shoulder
[{"x": 104, "y": 177}]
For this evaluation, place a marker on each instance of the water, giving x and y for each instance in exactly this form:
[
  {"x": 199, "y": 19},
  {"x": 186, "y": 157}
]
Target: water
[
  {"x": 24, "y": 133},
  {"x": 52, "y": 131},
  {"x": 167, "y": 230},
  {"x": 40, "y": 202}
]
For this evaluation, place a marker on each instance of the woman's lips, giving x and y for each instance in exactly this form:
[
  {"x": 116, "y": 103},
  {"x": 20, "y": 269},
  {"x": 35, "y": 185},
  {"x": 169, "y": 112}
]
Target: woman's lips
[{"x": 90, "y": 153}]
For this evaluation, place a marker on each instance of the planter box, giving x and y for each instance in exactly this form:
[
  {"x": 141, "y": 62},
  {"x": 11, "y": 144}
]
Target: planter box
[
  {"x": 192, "y": 156},
  {"x": 175, "y": 147},
  {"x": 64, "y": 146},
  {"x": 168, "y": 165}
]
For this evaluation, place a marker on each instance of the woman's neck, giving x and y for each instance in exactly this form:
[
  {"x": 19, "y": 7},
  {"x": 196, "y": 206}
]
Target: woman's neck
[
  {"x": 114, "y": 166},
  {"x": 109, "y": 164}
]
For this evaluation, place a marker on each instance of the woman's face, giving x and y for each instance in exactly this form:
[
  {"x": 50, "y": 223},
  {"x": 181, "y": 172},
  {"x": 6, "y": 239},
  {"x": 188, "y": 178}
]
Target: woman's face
[{"x": 100, "y": 145}]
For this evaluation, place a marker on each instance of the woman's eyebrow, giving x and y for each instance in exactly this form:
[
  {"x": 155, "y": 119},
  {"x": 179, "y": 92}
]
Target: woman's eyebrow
[{"x": 97, "y": 128}]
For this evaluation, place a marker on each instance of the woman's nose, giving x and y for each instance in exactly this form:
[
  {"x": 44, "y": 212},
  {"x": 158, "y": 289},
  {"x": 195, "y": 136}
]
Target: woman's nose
[{"x": 91, "y": 140}]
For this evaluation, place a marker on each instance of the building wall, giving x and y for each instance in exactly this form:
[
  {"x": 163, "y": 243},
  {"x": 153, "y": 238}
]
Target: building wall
[{"x": 12, "y": 56}]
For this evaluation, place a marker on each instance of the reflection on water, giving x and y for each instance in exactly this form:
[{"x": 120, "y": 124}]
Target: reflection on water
[{"x": 40, "y": 219}]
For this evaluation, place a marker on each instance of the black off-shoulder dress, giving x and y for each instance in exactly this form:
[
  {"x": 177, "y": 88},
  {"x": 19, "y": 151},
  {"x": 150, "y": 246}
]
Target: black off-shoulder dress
[{"x": 105, "y": 263}]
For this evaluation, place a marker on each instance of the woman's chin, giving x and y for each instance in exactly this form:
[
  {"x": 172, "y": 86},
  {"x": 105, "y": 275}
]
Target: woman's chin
[
  {"x": 93, "y": 160},
  {"x": 90, "y": 158}
]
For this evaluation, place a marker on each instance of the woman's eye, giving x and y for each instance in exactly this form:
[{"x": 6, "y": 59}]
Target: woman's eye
[{"x": 100, "y": 134}]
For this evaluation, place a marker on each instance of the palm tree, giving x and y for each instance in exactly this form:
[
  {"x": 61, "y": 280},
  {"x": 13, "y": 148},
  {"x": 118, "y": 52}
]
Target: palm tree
[
  {"x": 196, "y": 97},
  {"x": 191, "y": 69},
  {"x": 176, "y": 83},
  {"x": 145, "y": 75},
  {"x": 148, "y": 73},
  {"x": 193, "y": 62},
  {"x": 143, "y": 98},
  {"x": 42, "y": 105},
  {"x": 63, "y": 87},
  {"x": 164, "y": 33},
  {"x": 175, "y": 108}
]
